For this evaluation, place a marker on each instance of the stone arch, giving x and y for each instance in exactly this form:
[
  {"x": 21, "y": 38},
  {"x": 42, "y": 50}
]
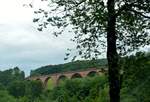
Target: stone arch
[
  {"x": 49, "y": 83},
  {"x": 38, "y": 79},
  {"x": 61, "y": 78},
  {"x": 76, "y": 75},
  {"x": 92, "y": 73}
]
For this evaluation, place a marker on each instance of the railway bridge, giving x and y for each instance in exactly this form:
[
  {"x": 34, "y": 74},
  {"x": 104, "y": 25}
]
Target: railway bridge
[{"x": 57, "y": 77}]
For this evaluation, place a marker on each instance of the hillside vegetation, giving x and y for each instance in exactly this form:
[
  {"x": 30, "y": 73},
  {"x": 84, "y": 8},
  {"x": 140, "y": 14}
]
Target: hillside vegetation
[
  {"x": 71, "y": 66},
  {"x": 135, "y": 85}
]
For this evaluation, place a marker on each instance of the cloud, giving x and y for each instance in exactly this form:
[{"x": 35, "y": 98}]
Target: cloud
[{"x": 22, "y": 45}]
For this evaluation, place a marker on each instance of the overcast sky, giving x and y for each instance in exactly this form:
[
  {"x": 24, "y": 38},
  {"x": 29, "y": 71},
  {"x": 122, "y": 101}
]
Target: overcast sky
[{"x": 21, "y": 44}]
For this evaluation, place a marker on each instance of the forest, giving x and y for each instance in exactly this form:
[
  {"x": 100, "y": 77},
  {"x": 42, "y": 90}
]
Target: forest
[{"x": 135, "y": 86}]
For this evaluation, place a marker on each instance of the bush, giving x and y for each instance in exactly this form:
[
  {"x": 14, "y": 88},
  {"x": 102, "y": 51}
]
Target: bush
[{"x": 5, "y": 97}]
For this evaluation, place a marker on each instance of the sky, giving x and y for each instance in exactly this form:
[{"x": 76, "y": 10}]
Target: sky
[{"x": 21, "y": 44}]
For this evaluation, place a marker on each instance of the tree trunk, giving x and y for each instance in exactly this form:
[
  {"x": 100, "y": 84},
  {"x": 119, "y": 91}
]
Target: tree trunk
[{"x": 112, "y": 56}]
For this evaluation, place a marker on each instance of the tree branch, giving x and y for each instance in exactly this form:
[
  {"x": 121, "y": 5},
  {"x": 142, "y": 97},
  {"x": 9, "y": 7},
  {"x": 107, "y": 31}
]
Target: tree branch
[
  {"x": 122, "y": 8},
  {"x": 133, "y": 4},
  {"x": 141, "y": 7},
  {"x": 140, "y": 13}
]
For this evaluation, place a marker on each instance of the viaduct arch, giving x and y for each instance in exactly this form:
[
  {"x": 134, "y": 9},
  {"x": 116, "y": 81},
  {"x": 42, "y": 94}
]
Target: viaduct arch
[{"x": 55, "y": 78}]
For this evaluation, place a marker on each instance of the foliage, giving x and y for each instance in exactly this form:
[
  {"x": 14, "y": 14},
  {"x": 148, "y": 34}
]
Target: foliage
[
  {"x": 5, "y": 97},
  {"x": 135, "y": 86},
  {"x": 72, "y": 66},
  {"x": 17, "y": 88},
  {"x": 2, "y": 87},
  {"x": 136, "y": 78},
  {"x": 81, "y": 90},
  {"x": 50, "y": 84},
  {"x": 90, "y": 23},
  {"x": 14, "y": 87},
  {"x": 8, "y": 76},
  {"x": 33, "y": 89}
]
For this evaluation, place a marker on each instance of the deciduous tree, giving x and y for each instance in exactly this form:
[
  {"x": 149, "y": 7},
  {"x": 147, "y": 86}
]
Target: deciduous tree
[{"x": 120, "y": 25}]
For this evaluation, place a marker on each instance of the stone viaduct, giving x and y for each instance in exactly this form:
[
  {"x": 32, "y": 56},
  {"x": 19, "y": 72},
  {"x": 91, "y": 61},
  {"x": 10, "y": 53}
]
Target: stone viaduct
[{"x": 70, "y": 75}]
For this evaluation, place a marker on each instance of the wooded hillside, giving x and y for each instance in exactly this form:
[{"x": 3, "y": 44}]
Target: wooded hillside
[{"x": 71, "y": 66}]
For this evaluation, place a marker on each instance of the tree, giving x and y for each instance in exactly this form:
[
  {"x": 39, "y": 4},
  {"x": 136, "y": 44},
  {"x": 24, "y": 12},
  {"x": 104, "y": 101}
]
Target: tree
[
  {"x": 10, "y": 75},
  {"x": 120, "y": 23},
  {"x": 5, "y": 97},
  {"x": 17, "y": 88},
  {"x": 33, "y": 89},
  {"x": 18, "y": 74},
  {"x": 136, "y": 78}
]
